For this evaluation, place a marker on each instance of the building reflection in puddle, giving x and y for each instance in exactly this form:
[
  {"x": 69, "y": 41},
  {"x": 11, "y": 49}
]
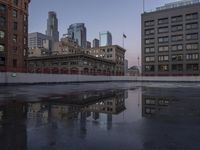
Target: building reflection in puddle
[{"x": 152, "y": 105}]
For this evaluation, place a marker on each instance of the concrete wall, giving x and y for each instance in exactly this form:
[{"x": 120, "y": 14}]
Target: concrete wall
[{"x": 27, "y": 78}]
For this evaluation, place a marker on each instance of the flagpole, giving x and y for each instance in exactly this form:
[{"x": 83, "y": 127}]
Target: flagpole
[
  {"x": 143, "y": 6},
  {"x": 123, "y": 40}
]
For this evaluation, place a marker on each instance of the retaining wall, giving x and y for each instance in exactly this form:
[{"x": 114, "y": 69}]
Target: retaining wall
[{"x": 29, "y": 78}]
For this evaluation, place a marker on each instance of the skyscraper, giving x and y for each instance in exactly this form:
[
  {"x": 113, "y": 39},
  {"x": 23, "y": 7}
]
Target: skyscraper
[
  {"x": 95, "y": 43},
  {"x": 105, "y": 38},
  {"x": 78, "y": 33},
  {"x": 52, "y": 26},
  {"x": 13, "y": 34}
]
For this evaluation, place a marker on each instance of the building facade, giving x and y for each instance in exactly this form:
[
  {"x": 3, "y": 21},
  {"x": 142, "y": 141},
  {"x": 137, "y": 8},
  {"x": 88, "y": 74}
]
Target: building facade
[
  {"x": 71, "y": 64},
  {"x": 13, "y": 34},
  {"x": 170, "y": 40},
  {"x": 105, "y": 38},
  {"x": 114, "y": 53},
  {"x": 78, "y": 33},
  {"x": 95, "y": 43},
  {"x": 52, "y": 26}
]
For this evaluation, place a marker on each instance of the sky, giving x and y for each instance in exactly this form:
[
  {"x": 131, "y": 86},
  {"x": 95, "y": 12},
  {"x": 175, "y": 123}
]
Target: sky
[{"x": 116, "y": 16}]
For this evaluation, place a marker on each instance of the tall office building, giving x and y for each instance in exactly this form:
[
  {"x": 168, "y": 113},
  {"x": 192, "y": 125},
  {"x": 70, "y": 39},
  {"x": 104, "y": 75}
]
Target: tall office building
[
  {"x": 95, "y": 43},
  {"x": 52, "y": 26},
  {"x": 89, "y": 44},
  {"x": 78, "y": 33},
  {"x": 13, "y": 34},
  {"x": 38, "y": 40},
  {"x": 105, "y": 38},
  {"x": 170, "y": 40}
]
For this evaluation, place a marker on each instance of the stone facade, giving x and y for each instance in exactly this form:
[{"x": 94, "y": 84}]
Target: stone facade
[{"x": 71, "y": 64}]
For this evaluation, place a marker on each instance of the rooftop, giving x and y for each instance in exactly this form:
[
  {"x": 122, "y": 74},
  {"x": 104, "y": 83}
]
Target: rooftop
[{"x": 176, "y": 4}]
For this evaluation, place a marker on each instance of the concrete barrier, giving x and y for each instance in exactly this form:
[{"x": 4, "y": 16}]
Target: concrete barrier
[{"x": 29, "y": 78}]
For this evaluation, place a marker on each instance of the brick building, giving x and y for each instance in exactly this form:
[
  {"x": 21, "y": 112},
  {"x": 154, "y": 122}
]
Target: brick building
[{"x": 13, "y": 34}]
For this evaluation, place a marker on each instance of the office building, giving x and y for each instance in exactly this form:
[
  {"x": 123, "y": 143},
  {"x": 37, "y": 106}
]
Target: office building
[
  {"x": 78, "y": 33},
  {"x": 89, "y": 44},
  {"x": 71, "y": 64},
  {"x": 38, "y": 40},
  {"x": 105, "y": 38},
  {"x": 95, "y": 43},
  {"x": 170, "y": 40},
  {"x": 13, "y": 34},
  {"x": 114, "y": 53},
  {"x": 52, "y": 26}
]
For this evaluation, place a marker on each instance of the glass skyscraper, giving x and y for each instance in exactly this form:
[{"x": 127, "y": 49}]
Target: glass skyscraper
[
  {"x": 105, "y": 38},
  {"x": 78, "y": 33},
  {"x": 52, "y": 26}
]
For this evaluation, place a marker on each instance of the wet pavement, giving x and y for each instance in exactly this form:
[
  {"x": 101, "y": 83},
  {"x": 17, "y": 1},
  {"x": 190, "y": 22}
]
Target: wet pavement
[{"x": 103, "y": 116}]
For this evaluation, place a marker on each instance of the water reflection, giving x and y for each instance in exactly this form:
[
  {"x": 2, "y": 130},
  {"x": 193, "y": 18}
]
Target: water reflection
[
  {"x": 154, "y": 104},
  {"x": 58, "y": 119}
]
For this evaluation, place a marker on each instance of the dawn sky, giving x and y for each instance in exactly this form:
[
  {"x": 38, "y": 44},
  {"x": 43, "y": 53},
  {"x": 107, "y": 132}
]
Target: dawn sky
[{"x": 117, "y": 16}]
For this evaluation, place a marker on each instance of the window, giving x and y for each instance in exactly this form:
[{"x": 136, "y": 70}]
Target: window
[
  {"x": 193, "y": 36},
  {"x": 192, "y": 46},
  {"x": 149, "y": 50},
  {"x": 176, "y": 28},
  {"x": 149, "y": 68},
  {"x": 192, "y": 56},
  {"x": 15, "y": 26},
  {"x": 163, "y": 48},
  {"x": 163, "y": 21},
  {"x": 14, "y": 63},
  {"x": 163, "y": 39},
  {"x": 177, "y": 67},
  {"x": 150, "y": 59},
  {"x": 2, "y": 61},
  {"x": 178, "y": 47},
  {"x": 149, "y": 31},
  {"x": 15, "y": 2},
  {"x": 163, "y": 68},
  {"x": 163, "y": 29},
  {"x": 178, "y": 57},
  {"x": 177, "y": 19},
  {"x": 14, "y": 49},
  {"x": 149, "y": 23},
  {"x": 2, "y": 8},
  {"x": 192, "y": 16},
  {"x": 150, "y": 101},
  {"x": 25, "y": 28},
  {"x": 176, "y": 38},
  {"x": 15, "y": 13},
  {"x": 25, "y": 18},
  {"x": 163, "y": 58},
  {"x": 2, "y": 22},
  {"x": 192, "y": 67},
  {"x": 2, "y": 48},
  {"x": 150, "y": 41},
  {"x": 15, "y": 38},
  {"x": 191, "y": 26},
  {"x": 2, "y": 34}
]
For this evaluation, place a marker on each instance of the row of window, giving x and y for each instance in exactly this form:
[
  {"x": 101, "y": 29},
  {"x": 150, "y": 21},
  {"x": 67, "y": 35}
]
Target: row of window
[
  {"x": 174, "y": 38},
  {"x": 174, "y": 19},
  {"x": 176, "y": 57},
  {"x": 174, "y": 28},
  {"x": 174, "y": 67},
  {"x": 177, "y": 47}
]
